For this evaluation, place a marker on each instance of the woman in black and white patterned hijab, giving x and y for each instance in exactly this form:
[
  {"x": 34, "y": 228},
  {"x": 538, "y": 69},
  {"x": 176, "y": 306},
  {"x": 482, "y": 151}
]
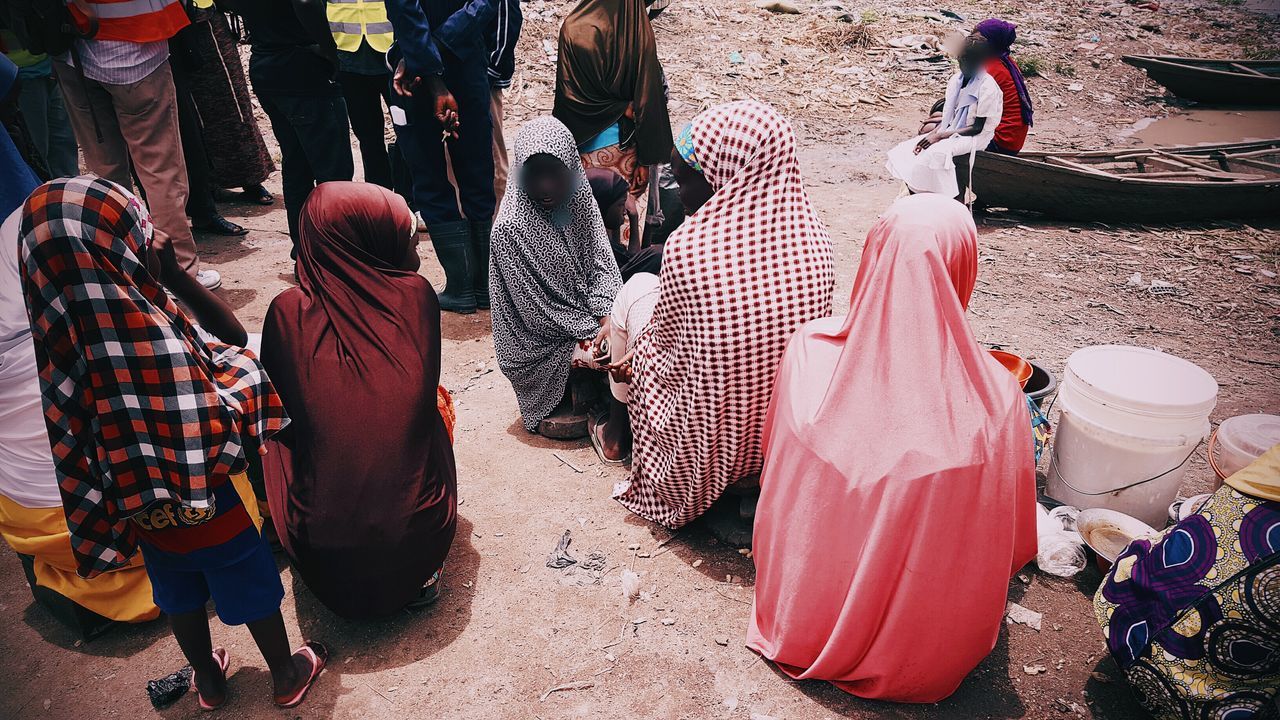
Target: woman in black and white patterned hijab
[{"x": 552, "y": 276}]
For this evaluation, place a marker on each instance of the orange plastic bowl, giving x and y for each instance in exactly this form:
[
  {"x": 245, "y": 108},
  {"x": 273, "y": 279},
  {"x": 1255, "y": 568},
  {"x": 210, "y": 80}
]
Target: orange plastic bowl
[{"x": 1020, "y": 368}]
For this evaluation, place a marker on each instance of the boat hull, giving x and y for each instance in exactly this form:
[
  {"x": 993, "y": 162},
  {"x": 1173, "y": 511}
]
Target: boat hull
[
  {"x": 1031, "y": 184},
  {"x": 1210, "y": 82}
]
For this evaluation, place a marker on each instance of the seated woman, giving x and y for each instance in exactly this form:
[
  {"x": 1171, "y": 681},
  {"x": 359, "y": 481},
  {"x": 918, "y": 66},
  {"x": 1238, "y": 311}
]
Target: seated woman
[
  {"x": 970, "y": 115},
  {"x": 750, "y": 265},
  {"x": 362, "y": 484},
  {"x": 618, "y": 209},
  {"x": 1016, "y": 119},
  {"x": 610, "y": 93},
  {"x": 552, "y": 277},
  {"x": 1192, "y": 616},
  {"x": 861, "y": 458}
]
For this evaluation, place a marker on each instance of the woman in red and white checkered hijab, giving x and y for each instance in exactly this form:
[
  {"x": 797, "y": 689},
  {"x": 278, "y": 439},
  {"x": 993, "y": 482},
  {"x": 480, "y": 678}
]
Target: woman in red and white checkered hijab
[{"x": 738, "y": 277}]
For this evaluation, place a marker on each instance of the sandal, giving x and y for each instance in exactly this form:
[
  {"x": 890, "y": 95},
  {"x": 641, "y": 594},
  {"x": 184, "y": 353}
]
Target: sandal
[
  {"x": 319, "y": 657},
  {"x": 218, "y": 225},
  {"x": 430, "y": 592},
  {"x": 597, "y": 444},
  {"x": 259, "y": 195},
  {"x": 224, "y": 661}
]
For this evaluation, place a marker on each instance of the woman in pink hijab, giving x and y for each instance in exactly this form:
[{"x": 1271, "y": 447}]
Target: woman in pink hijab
[{"x": 898, "y": 491}]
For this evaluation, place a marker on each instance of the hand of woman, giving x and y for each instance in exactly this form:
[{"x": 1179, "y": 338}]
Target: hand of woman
[
  {"x": 621, "y": 371},
  {"x": 926, "y": 141}
]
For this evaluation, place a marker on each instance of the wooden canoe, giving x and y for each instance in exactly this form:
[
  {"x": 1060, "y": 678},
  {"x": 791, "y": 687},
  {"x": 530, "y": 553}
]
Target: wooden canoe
[
  {"x": 1229, "y": 82},
  {"x": 1234, "y": 180}
]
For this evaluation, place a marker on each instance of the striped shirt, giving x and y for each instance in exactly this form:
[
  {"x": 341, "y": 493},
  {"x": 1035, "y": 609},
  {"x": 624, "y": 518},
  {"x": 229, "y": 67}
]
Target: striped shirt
[{"x": 119, "y": 62}]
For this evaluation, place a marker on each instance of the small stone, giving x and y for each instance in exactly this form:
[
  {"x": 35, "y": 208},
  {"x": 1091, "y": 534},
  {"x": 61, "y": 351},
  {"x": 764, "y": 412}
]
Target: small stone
[
  {"x": 640, "y": 621},
  {"x": 633, "y": 546},
  {"x": 1034, "y": 669},
  {"x": 668, "y": 621},
  {"x": 721, "y": 640},
  {"x": 697, "y": 563}
]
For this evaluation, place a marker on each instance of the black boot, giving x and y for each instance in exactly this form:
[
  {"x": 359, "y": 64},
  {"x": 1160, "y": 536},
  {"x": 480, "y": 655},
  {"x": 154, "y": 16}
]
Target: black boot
[
  {"x": 452, "y": 241},
  {"x": 480, "y": 268}
]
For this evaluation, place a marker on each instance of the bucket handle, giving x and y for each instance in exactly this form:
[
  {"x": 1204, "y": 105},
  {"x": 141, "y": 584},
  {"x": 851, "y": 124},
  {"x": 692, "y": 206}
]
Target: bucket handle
[
  {"x": 1213, "y": 462},
  {"x": 1058, "y": 471}
]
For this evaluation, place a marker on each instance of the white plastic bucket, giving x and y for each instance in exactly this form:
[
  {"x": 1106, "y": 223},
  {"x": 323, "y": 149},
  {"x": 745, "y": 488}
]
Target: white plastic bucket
[{"x": 1131, "y": 419}]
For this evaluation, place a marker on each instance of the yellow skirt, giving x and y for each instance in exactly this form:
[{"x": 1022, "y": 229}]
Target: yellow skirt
[{"x": 123, "y": 595}]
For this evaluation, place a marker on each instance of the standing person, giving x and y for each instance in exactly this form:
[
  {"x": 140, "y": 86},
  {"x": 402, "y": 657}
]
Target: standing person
[
  {"x": 1011, "y": 133},
  {"x": 362, "y": 484},
  {"x": 187, "y": 63},
  {"x": 503, "y": 35},
  {"x": 970, "y": 114},
  {"x": 292, "y": 67},
  {"x": 238, "y": 156},
  {"x": 443, "y": 95},
  {"x": 42, "y": 108},
  {"x": 148, "y": 423},
  {"x": 850, "y": 464},
  {"x": 124, "y": 110},
  {"x": 610, "y": 91},
  {"x": 363, "y": 35},
  {"x": 752, "y": 263}
]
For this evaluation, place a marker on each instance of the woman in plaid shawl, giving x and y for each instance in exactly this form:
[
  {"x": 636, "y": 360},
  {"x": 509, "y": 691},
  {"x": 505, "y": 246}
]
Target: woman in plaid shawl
[{"x": 148, "y": 421}]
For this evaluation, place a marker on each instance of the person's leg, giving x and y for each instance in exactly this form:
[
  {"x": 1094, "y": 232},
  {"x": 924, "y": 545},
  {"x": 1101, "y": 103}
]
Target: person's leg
[
  {"x": 200, "y": 205},
  {"x": 63, "y": 155},
  {"x": 501, "y": 162},
  {"x": 191, "y": 630},
  {"x": 363, "y": 95},
  {"x": 249, "y": 592},
  {"x": 471, "y": 154},
  {"x": 324, "y": 135},
  {"x": 33, "y": 101},
  {"x": 86, "y": 100},
  {"x": 632, "y": 311},
  {"x": 296, "y": 175},
  {"x": 419, "y": 140},
  {"x": 148, "y": 115}
]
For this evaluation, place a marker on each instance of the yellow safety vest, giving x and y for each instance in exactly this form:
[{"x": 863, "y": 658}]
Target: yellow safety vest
[{"x": 351, "y": 20}]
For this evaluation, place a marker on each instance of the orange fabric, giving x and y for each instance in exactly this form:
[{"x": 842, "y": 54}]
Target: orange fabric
[
  {"x": 1011, "y": 133},
  {"x": 123, "y": 595},
  {"x": 444, "y": 402},
  {"x": 134, "y": 20},
  {"x": 898, "y": 490}
]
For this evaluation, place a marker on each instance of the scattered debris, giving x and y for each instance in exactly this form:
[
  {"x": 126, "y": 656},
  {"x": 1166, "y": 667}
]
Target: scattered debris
[
  {"x": 570, "y": 465},
  {"x": 167, "y": 690},
  {"x": 780, "y": 7},
  {"x": 561, "y": 558},
  {"x": 1034, "y": 669},
  {"x": 630, "y": 584},
  {"x": 1015, "y": 613},
  {"x": 579, "y": 685}
]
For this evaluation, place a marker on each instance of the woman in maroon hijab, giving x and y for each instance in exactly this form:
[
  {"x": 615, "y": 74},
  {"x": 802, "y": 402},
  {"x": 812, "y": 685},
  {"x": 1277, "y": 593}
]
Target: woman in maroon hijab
[{"x": 362, "y": 486}]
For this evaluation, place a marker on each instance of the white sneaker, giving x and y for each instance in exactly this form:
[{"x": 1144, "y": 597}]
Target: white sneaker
[{"x": 210, "y": 279}]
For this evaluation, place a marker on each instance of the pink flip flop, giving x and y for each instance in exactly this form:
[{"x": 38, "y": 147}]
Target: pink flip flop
[
  {"x": 318, "y": 654},
  {"x": 224, "y": 661}
]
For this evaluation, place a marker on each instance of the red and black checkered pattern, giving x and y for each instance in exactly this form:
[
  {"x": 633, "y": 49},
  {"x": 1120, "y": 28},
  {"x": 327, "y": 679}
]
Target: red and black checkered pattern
[
  {"x": 738, "y": 278},
  {"x": 139, "y": 408}
]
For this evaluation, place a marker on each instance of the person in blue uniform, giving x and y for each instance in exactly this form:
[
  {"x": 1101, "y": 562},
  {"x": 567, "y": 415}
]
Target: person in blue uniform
[{"x": 442, "y": 95}]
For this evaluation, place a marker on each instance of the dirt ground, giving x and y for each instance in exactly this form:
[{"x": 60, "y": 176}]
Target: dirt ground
[{"x": 508, "y": 628}]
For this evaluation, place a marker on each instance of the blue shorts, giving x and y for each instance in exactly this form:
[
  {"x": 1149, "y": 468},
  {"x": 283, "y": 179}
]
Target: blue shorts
[{"x": 243, "y": 592}]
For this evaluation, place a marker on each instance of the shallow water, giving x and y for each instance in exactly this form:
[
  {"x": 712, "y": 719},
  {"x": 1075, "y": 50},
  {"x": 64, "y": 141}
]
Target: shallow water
[{"x": 1201, "y": 126}]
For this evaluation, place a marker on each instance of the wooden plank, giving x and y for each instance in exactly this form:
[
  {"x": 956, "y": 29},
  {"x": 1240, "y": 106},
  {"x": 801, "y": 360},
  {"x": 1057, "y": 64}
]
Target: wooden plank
[
  {"x": 1273, "y": 150},
  {"x": 1055, "y": 160},
  {"x": 1188, "y": 161},
  {"x": 1249, "y": 70},
  {"x": 1256, "y": 163}
]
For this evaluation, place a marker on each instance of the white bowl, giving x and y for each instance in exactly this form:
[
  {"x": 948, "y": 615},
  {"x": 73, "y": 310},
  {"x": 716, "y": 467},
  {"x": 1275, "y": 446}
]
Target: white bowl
[{"x": 1108, "y": 532}]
